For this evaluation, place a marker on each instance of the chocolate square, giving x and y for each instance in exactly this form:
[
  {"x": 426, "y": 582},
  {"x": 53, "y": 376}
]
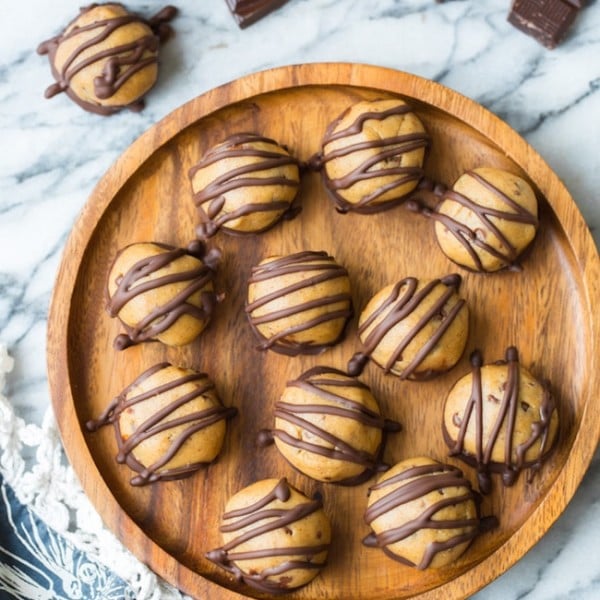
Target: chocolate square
[
  {"x": 246, "y": 12},
  {"x": 547, "y": 21}
]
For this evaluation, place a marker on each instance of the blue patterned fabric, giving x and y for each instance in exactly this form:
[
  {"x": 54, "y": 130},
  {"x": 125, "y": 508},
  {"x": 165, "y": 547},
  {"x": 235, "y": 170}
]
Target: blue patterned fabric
[{"x": 37, "y": 563}]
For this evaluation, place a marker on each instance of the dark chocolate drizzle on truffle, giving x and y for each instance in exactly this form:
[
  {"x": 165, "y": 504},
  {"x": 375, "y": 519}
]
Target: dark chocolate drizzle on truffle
[
  {"x": 162, "y": 317},
  {"x": 160, "y": 422},
  {"x": 469, "y": 239},
  {"x": 507, "y": 415},
  {"x": 301, "y": 262},
  {"x": 390, "y": 150},
  {"x": 425, "y": 479},
  {"x": 275, "y": 518},
  {"x": 122, "y": 62},
  {"x": 401, "y": 302},
  {"x": 314, "y": 381},
  {"x": 241, "y": 145}
]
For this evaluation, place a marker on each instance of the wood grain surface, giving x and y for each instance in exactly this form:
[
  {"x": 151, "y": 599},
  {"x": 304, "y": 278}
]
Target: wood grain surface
[{"x": 549, "y": 311}]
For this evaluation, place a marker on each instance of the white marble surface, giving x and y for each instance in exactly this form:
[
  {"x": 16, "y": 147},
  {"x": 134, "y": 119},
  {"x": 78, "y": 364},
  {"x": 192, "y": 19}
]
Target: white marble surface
[{"x": 53, "y": 153}]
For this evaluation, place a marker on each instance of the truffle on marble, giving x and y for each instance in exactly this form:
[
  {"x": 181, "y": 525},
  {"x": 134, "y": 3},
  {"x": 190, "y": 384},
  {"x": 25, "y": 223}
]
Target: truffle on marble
[{"x": 106, "y": 59}]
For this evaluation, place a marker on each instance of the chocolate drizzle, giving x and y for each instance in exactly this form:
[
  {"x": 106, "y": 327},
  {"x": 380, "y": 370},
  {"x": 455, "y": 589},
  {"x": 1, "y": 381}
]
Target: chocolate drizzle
[
  {"x": 242, "y": 145},
  {"x": 469, "y": 238},
  {"x": 319, "y": 381},
  {"x": 120, "y": 63},
  {"x": 263, "y": 520},
  {"x": 304, "y": 263},
  {"x": 389, "y": 152},
  {"x": 400, "y": 303},
  {"x": 425, "y": 479},
  {"x": 514, "y": 456},
  {"x": 158, "y": 320},
  {"x": 159, "y": 423}
]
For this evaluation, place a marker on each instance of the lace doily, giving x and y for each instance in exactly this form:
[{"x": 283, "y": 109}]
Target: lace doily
[{"x": 49, "y": 487}]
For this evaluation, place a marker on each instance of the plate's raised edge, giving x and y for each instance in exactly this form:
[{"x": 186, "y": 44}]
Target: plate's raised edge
[{"x": 348, "y": 74}]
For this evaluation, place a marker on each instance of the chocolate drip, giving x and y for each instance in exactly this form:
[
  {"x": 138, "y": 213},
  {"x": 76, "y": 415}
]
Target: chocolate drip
[
  {"x": 162, "y": 317},
  {"x": 160, "y": 422},
  {"x": 424, "y": 480},
  {"x": 390, "y": 150},
  {"x": 240, "y": 146},
  {"x": 121, "y": 62},
  {"x": 301, "y": 262},
  {"x": 276, "y": 518},
  {"x": 402, "y": 301},
  {"x": 159, "y": 23},
  {"x": 509, "y": 468},
  {"x": 428, "y": 192},
  {"x": 469, "y": 239},
  {"x": 314, "y": 381}
]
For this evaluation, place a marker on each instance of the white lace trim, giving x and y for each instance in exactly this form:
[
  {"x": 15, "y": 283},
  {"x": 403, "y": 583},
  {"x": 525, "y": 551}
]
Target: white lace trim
[{"x": 49, "y": 487}]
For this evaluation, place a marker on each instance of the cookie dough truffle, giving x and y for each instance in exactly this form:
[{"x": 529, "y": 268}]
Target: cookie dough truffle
[
  {"x": 499, "y": 418},
  {"x": 415, "y": 329},
  {"x": 486, "y": 220},
  {"x": 424, "y": 513},
  {"x": 162, "y": 293},
  {"x": 106, "y": 59},
  {"x": 275, "y": 539},
  {"x": 300, "y": 303},
  {"x": 169, "y": 423},
  {"x": 372, "y": 155},
  {"x": 244, "y": 185},
  {"x": 329, "y": 426}
]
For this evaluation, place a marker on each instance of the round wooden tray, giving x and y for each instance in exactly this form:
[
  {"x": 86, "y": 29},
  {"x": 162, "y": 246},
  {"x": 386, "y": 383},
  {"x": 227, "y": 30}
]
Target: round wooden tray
[{"x": 550, "y": 311}]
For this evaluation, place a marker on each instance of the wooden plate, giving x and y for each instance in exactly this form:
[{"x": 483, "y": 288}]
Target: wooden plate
[{"x": 550, "y": 311}]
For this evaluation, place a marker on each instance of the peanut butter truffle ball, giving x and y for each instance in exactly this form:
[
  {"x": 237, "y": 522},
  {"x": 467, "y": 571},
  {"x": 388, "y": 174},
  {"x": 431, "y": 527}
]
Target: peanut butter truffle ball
[
  {"x": 415, "y": 329},
  {"x": 499, "y": 418},
  {"x": 329, "y": 427},
  {"x": 169, "y": 423},
  {"x": 423, "y": 513},
  {"x": 300, "y": 303},
  {"x": 106, "y": 59},
  {"x": 486, "y": 221},
  {"x": 275, "y": 539},
  {"x": 372, "y": 155},
  {"x": 162, "y": 293},
  {"x": 244, "y": 185}
]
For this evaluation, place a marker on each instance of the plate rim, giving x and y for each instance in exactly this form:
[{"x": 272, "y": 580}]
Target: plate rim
[{"x": 275, "y": 79}]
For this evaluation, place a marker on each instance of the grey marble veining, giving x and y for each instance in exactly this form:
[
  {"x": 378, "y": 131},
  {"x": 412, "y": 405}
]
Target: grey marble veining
[{"x": 53, "y": 154}]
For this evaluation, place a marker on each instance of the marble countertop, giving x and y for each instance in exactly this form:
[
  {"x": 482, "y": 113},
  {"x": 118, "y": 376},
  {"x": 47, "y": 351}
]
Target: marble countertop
[{"x": 53, "y": 153}]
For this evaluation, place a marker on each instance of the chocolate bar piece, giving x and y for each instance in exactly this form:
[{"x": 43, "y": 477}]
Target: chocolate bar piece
[
  {"x": 547, "y": 21},
  {"x": 246, "y": 12}
]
